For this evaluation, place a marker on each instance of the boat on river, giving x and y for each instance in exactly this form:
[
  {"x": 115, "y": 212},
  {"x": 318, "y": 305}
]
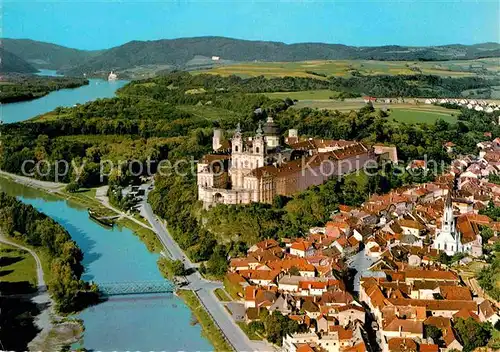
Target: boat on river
[{"x": 100, "y": 218}]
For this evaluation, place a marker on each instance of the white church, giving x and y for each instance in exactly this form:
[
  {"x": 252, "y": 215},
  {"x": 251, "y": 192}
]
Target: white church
[{"x": 450, "y": 239}]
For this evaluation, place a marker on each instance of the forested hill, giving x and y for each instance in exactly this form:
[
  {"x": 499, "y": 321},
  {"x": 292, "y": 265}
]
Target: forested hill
[
  {"x": 12, "y": 63},
  {"x": 179, "y": 52},
  {"x": 47, "y": 55}
]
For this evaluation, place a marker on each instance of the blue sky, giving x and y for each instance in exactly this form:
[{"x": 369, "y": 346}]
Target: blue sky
[{"x": 103, "y": 24}]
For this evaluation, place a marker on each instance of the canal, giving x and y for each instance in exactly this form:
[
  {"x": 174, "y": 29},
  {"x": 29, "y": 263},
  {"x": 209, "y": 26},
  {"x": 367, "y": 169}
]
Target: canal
[{"x": 134, "y": 322}]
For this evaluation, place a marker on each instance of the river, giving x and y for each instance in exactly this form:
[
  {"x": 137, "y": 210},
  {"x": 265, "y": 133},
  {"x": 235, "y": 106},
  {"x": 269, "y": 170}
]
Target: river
[
  {"x": 134, "y": 322},
  {"x": 97, "y": 88}
]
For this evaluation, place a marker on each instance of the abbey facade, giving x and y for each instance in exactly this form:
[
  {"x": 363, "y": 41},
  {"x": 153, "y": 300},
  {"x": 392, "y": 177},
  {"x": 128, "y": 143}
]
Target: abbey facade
[{"x": 256, "y": 169}]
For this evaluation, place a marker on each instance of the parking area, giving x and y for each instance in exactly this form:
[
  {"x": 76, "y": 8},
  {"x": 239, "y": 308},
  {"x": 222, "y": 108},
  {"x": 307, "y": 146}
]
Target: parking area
[{"x": 237, "y": 310}]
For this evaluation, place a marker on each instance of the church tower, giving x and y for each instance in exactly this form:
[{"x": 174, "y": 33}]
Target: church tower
[
  {"x": 448, "y": 224},
  {"x": 448, "y": 239},
  {"x": 271, "y": 133},
  {"x": 237, "y": 158}
]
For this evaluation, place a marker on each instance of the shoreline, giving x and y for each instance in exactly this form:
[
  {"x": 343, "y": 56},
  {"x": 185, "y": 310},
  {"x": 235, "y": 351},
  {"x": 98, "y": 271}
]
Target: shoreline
[{"x": 25, "y": 98}]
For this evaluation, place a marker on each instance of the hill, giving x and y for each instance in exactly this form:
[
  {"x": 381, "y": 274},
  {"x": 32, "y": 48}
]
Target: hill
[
  {"x": 179, "y": 52},
  {"x": 47, "y": 55},
  {"x": 12, "y": 63}
]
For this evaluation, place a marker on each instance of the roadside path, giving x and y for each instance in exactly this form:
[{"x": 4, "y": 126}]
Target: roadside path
[
  {"x": 204, "y": 289},
  {"x": 31, "y": 182}
]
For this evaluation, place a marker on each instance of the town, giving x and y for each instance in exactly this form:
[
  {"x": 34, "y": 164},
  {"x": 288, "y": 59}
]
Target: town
[{"x": 389, "y": 274}]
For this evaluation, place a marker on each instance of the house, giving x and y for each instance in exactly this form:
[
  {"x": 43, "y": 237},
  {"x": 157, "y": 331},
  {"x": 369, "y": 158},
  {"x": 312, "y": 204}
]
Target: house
[
  {"x": 397, "y": 344},
  {"x": 350, "y": 313},
  {"x": 311, "y": 309},
  {"x": 449, "y": 147},
  {"x": 302, "y": 249},
  {"x": 264, "y": 245},
  {"x": 281, "y": 305},
  {"x": 402, "y": 328},
  {"x": 488, "y": 312},
  {"x": 411, "y": 227},
  {"x": 450, "y": 340}
]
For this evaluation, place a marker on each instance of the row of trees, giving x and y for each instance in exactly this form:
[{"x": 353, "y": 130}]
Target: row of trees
[
  {"x": 25, "y": 223},
  {"x": 377, "y": 85}
]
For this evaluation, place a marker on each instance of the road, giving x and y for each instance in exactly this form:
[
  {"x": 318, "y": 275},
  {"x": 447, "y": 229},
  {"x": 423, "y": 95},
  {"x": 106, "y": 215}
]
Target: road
[{"x": 204, "y": 289}]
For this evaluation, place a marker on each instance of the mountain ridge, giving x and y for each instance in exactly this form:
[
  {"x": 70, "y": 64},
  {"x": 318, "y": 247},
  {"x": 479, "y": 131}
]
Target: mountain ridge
[
  {"x": 178, "y": 52},
  {"x": 11, "y": 63}
]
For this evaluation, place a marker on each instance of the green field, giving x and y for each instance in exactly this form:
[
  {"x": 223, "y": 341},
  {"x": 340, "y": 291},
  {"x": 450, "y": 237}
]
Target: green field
[
  {"x": 208, "y": 112},
  {"x": 17, "y": 266},
  {"x": 222, "y": 295},
  {"x": 345, "y": 68},
  {"x": 420, "y": 116}
]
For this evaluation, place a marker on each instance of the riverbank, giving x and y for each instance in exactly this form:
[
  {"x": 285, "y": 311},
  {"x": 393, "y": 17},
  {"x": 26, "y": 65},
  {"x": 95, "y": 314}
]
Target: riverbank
[{"x": 210, "y": 330}]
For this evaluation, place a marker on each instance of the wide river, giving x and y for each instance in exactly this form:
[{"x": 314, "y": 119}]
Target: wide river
[
  {"x": 138, "y": 322},
  {"x": 97, "y": 88}
]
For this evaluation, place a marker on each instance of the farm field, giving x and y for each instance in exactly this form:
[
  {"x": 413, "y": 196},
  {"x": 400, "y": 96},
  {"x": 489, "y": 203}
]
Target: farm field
[
  {"x": 320, "y": 69},
  {"x": 420, "y": 116},
  {"x": 319, "y": 94}
]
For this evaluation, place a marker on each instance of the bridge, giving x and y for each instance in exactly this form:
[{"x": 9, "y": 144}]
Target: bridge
[{"x": 136, "y": 287}]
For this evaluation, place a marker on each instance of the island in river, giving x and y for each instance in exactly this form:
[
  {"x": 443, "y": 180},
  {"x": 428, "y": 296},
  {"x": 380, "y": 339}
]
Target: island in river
[{"x": 17, "y": 87}]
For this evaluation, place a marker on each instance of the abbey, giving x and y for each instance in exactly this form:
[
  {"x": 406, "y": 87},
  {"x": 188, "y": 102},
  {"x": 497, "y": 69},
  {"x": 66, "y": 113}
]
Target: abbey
[{"x": 256, "y": 169}]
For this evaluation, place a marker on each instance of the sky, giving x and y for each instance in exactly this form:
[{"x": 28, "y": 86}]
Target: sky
[{"x": 104, "y": 24}]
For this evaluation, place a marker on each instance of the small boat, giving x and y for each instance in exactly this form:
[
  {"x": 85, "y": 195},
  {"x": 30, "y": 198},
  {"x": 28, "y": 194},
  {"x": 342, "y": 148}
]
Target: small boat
[{"x": 101, "y": 219}]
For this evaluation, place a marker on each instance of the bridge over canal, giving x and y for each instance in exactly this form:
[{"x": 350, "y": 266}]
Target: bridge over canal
[{"x": 136, "y": 287}]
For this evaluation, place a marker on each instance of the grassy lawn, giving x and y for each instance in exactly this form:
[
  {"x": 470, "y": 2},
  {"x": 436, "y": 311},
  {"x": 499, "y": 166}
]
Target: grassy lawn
[
  {"x": 420, "y": 116},
  {"x": 17, "y": 270},
  {"x": 222, "y": 295},
  {"x": 251, "y": 335},
  {"x": 210, "y": 330}
]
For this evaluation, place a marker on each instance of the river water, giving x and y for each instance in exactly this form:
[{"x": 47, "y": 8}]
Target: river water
[
  {"x": 134, "y": 322},
  {"x": 97, "y": 88}
]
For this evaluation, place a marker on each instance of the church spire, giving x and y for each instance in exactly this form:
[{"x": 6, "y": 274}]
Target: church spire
[{"x": 259, "y": 132}]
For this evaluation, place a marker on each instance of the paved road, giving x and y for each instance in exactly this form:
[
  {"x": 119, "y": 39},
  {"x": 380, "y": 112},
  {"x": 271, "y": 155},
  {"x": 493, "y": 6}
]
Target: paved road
[
  {"x": 204, "y": 289},
  {"x": 39, "y": 271}
]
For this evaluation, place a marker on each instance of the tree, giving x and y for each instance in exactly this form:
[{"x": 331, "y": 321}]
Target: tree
[
  {"x": 72, "y": 187},
  {"x": 473, "y": 334},
  {"x": 433, "y": 332},
  {"x": 217, "y": 264},
  {"x": 294, "y": 271}
]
